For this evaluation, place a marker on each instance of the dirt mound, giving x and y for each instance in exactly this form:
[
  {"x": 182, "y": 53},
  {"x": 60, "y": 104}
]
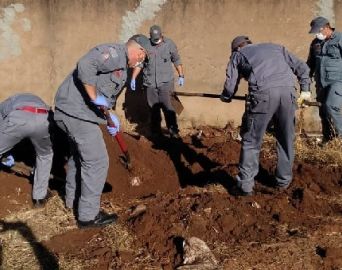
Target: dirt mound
[
  {"x": 185, "y": 188},
  {"x": 151, "y": 171}
]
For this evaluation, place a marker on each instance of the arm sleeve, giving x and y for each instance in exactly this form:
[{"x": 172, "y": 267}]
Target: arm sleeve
[
  {"x": 88, "y": 67},
  {"x": 232, "y": 76},
  {"x": 175, "y": 58},
  {"x": 2, "y": 112},
  {"x": 300, "y": 69},
  {"x": 311, "y": 62}
]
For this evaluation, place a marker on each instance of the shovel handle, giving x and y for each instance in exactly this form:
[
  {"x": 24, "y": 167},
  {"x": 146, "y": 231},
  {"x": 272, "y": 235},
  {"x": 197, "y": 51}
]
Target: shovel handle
[
  {"x": 207, "y": 95},
  {"x": 118, "y": 136},
  {"x": 312, "y": 103}
]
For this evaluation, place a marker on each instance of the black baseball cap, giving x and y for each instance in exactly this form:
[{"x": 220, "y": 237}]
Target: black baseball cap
[
  {"x": 142, "y": 40},
  {"x": 238, "y": 41},
  {"x": 155, "y": 33},
  {"x": 317, "y": 23}
]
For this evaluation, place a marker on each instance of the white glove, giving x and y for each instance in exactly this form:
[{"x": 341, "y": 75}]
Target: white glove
[{"x": 304, "y": 96}]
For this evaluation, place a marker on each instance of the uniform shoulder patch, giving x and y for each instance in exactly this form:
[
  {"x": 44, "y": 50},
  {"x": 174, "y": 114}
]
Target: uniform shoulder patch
[
  {"x": 113, "y": 53},
  {"x": 105, "y": 56}
]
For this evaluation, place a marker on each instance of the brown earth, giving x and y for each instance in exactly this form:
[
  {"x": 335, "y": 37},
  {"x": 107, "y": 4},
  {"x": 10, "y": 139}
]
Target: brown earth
[{"x": 185, "y": 186}]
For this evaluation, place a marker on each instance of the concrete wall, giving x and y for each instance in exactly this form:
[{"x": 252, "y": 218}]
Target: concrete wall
[{"x": 41, "y": 40}]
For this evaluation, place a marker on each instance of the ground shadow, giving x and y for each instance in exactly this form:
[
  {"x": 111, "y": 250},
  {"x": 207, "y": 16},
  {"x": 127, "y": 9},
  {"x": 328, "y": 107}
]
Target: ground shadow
[
  {"x": 136, "y": 107},
  {"x": 183, "y": 156},
  {"x": 265, "y": 178},
  {"x": 45, "y": 258}
]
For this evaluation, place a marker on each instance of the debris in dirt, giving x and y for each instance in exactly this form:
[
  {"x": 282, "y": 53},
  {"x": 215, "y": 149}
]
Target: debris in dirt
[
  {"x": 236, "y": 136},
  {"x": 197, "y": 255},
  {"x": 135, "y": 181},
  {"x": 255, "y": 205},
  {"x": 137, "y": 211},
  {"x": 199, "y": 135}
]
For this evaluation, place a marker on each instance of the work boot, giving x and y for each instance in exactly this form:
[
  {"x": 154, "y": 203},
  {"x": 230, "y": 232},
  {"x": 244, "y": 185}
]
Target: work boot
[
  {"x": 102, "y": 219},
  {"x": 174, "y": 134},
  {"x": 238, "y": 192},
  {"x": 40, "y": 203}
]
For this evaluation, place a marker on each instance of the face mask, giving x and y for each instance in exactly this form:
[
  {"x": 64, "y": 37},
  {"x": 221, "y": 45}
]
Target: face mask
[
  {"x": 157, "y": 42},
  {"x": 320, "y": 36}
]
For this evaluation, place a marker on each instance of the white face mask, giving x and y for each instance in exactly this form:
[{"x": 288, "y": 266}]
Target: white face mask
[
  {"x": 157, "y": 42},
  {"x": 320, "y": 36}
]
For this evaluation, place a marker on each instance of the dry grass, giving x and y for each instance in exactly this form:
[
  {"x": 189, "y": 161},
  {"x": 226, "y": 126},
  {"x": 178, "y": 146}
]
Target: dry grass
[
  {"x": 22, "y": 232},
  {"x": 311, "y": 151}
]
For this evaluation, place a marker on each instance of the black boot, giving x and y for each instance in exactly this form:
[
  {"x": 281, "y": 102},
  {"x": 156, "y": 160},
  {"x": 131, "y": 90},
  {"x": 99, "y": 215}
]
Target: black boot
[{"x": 102, "y": 219}]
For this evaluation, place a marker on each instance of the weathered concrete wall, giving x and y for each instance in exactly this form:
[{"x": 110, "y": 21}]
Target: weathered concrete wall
[{"x": 41, "y": 40}]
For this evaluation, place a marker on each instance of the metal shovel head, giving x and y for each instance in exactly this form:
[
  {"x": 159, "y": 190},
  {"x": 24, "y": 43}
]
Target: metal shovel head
[{"x": 177, "y": 104}]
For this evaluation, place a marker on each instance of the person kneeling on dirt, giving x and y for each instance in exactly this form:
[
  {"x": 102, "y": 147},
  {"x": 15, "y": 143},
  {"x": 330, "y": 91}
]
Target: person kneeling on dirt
[
  {"x": 158, "y": 80},
  {"x": 27, "y": 116},
  {"x": 269, "y": 69},
  {"x": 81, "y": 100}
]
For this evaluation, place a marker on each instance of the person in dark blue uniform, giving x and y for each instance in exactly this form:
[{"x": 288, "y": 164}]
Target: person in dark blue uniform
[{"x": 269, "y": 70}]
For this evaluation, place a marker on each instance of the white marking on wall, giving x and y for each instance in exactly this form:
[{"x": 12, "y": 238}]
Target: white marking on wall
[
  {"x": 325, "y": 8},
  {"x": 9, "y": 40},
  {"x": 132, "y": 21}
]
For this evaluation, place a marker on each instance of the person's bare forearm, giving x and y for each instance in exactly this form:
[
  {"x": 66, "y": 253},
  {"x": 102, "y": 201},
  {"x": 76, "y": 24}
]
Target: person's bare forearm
[
  {"x": 136, "y": 72},
  {"x": 91, "y": 91},
  {"x": 179, "y": 69}
]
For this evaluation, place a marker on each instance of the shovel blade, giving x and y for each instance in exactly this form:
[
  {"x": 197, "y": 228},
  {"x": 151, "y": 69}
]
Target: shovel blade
[{"x": 177, "y": 104}]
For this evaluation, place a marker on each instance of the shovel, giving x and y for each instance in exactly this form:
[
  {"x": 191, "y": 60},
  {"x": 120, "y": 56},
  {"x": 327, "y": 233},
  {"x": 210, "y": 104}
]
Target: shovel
[
  {"x": 178, "y": 106},
  {"x": 207, "y": 95},
  {"x": 312, "y": 103},
  {"x": 125, "y": 159}
]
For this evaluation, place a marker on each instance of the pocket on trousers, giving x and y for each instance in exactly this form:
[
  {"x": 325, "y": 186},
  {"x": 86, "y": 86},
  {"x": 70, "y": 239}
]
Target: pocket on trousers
[
  {"x": 334, "y": 75},
  {"x": 294, "y": 100},
  {"x": 259, "y": 103},
  {"x": 246, "y": 125},
  {"x": 14, "y": 119}
]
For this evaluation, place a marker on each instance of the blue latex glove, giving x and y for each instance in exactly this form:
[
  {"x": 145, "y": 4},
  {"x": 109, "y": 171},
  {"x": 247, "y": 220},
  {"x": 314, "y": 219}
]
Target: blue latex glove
[
  {"x": 225, "y": 99},
  {"x": 100, "y": 101},
  {"x": 114, "y": 130},
  {"x": 180, "y": 81},
  {"x": 133, "y": 84},
  {"x": 8, "y": 161}
]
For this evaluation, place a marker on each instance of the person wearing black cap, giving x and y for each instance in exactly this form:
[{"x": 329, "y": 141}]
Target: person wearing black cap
[
  {"x": 269, "y": 70},
  {"x": 94, "y": 84},
  {"x": 158, "y": 79},
  {"x": 325, "y": 62}
]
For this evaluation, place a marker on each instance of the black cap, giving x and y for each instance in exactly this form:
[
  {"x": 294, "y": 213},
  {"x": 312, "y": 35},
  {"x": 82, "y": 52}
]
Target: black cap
[
  {"x": 317, "y": 23},
  {"x": 155, "y": 33},
  {"x": 142, "y": 40},
  {"x": 238, "y": 41}
]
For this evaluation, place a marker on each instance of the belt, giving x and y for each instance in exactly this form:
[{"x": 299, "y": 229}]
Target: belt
[{"x": 33, "y": 109}]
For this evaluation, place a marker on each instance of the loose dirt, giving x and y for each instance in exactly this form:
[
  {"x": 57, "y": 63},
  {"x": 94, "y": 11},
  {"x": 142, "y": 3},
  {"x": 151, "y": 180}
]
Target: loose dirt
[{"x": 182, "y": 189}]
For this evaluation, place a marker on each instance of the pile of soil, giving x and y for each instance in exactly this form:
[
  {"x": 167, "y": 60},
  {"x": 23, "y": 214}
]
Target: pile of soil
[{"x": 185, "y": 186}]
